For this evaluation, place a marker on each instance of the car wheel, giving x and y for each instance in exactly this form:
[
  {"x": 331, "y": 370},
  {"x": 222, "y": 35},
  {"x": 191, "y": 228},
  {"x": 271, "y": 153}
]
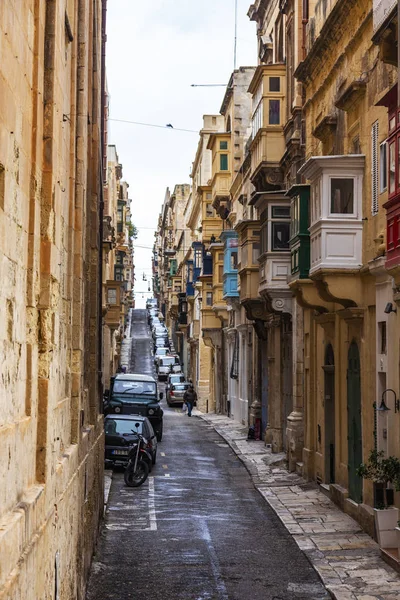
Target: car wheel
[{"x": 154, "y": 458}]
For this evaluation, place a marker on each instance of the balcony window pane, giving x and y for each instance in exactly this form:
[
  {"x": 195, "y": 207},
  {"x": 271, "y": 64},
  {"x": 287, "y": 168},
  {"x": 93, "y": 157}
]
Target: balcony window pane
[
  {"x": 256, "y": 252},
  {"x": 209, "y": 298},
  {"x": 234, "y": 260},
  {"x": 274, "y": 84},
  {"x": 392, "y": 167},
  {"x": 342, "y": 196},
  {"x": 209, "y": 210},
  {"x": 220, "y": 273},
  {"x": 274, "y": 112},
  {"x": 223, "y": 162},
  {"x": 280, "y": 236},
  {"x": 223, "y": 145},
  {"x": 280, "y": 212},
  {"x": 112, "y": 296}
]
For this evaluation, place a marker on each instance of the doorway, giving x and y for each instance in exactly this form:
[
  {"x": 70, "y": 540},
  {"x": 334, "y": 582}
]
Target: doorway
[
  {"x": 329, "y": 409},
  {"x": 354, "y": 433}
]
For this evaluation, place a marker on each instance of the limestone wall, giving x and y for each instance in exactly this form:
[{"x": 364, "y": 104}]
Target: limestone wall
[{"x": 51, "y": 442}]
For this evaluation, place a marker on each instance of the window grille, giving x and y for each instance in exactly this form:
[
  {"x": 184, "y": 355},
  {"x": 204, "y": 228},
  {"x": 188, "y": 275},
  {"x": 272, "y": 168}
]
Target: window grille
[{"x": 374, "y": 168}]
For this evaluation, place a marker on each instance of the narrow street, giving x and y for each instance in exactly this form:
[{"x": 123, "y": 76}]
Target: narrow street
[{"x": 197, "y": 529}]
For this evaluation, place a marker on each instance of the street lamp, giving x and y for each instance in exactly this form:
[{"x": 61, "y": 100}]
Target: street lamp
[{"x": 383, "y": 406}]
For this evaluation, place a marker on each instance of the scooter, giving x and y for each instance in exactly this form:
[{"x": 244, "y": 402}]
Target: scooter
[{"x": 139, "y": 461}]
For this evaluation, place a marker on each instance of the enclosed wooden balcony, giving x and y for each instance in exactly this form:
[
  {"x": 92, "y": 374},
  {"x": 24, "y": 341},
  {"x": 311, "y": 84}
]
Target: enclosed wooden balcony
[
  {"x": 268, "y": 119},
  {"x": 249, "y": 251},
  {"x": 220, "y": 146}
]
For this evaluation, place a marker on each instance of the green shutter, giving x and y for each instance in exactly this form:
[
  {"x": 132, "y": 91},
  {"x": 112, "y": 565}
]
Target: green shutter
[{"x": 223, "y": 162}]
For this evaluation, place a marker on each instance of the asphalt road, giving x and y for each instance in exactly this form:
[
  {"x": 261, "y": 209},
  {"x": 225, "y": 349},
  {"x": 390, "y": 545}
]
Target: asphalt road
[{"x": 197, "y": 529}]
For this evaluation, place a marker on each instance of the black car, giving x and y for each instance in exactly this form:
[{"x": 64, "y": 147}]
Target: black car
[
  {"x": 120, "y": 436},
  {"x": 136, "y": 394}
]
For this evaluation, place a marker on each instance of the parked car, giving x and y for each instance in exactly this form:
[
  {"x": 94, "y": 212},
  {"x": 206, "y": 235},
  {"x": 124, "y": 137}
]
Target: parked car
[
  {"x": 151, "y": 302},
  {"x": 120, "y": 436},
  {"x": 174, "y": 378},
  {"x": 159, "y": 331},
  {"x": 160, "y": 351},
  {"x": 165, "y": 364},
  {"x": 160, "y": 342},
  {"x": 177, "y": 368},
  {"x": 175, "y": 392},
  {"x": 136, "y": 394}
]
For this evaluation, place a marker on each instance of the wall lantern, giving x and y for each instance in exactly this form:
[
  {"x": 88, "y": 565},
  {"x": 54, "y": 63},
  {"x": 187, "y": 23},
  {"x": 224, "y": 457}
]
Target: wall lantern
[{"x": 383, "y": 407}]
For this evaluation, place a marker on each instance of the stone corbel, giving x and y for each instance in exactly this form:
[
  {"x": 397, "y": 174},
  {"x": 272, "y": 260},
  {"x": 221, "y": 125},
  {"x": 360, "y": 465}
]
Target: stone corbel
[
  {"x": 307, "y": 296},
  {"x": 212, "y": 338},
  {"x": 333, "y": 292}
]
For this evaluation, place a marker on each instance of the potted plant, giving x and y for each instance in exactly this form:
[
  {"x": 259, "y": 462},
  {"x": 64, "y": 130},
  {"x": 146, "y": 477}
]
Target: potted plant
[{"x": 383, "y": 471}]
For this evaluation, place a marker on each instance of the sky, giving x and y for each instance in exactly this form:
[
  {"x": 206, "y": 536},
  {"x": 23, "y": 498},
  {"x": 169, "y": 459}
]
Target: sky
[{"x": 156, "y": 50}]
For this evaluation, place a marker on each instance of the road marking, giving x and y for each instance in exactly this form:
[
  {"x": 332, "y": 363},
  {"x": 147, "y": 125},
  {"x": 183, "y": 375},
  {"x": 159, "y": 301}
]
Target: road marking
[
  {"x": 167, "y": 475},
  {"x": 165, "y": 466},
  {"x": 152, "y": 506},
  {"x": 162, "y": 453},
  {"x": 219, "y": 582}
]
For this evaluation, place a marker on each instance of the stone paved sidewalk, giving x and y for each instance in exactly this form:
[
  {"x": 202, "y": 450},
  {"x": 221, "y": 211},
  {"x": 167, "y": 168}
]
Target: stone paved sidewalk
[{"x": 347, "y": 559}]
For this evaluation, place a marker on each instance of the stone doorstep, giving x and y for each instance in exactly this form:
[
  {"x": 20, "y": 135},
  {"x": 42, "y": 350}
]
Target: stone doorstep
[
  {"x": 344, "y": 534},
  {"x": 392, "y": 557}
]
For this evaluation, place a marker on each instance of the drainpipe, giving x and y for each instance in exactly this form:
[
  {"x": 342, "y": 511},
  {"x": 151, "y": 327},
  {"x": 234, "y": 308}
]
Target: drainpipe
[
  {"x": 101, "y": 203},
  {"x": 304, "y": 23}
]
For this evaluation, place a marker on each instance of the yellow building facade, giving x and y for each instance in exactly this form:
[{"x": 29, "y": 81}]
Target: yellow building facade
[
  {"x": 51, "y": 426},
  {"x": 343, "y": 81}
]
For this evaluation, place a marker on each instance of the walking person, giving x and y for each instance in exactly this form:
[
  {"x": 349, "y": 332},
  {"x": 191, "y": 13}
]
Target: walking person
[{"x": 190, "y": 399}]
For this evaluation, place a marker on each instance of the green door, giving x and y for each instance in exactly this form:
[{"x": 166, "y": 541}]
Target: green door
[{"x": 354, "y": 422}]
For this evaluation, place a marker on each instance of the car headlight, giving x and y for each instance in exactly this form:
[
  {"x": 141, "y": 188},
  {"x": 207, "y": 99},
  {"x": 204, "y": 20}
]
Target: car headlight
[
  {"x": 117, "y": 409},
  {"x": 151, "y": 411}
]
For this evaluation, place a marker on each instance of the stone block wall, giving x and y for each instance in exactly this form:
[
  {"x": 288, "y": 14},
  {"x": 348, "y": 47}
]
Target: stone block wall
[{"x": 51, "y": 440}]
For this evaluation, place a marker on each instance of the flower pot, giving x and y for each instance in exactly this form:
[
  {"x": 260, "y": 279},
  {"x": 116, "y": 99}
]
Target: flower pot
[
  {"x": 398, "y": 541},
  {"x": 385, "y": 524}
]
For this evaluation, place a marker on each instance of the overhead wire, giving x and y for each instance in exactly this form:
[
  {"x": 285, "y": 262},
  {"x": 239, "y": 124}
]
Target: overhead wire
[{"x": 154, "y": 125}]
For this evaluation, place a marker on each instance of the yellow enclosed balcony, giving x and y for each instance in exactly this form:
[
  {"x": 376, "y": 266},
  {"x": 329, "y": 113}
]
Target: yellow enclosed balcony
[
  {"x": 249, "y": 251},
  {"x": 220, "y": 146},
  {"x": 268, "y": 118}
]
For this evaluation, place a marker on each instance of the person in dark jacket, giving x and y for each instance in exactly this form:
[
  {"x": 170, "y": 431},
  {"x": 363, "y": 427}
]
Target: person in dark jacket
[{"x": 190, "y": 399}]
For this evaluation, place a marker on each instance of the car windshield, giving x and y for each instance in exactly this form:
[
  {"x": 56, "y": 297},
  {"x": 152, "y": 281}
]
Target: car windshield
[
  {"x": 138, "y": 388},
  {"x": 167, "y": 361},
  {"x": 161, "y": 351},
  {"x": 176, "y": 379},
  {"x": 125, "y": 427},
  {"x": 181, "y": 386}
]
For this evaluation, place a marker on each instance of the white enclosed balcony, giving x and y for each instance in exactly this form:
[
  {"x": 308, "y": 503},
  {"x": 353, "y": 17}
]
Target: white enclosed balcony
[{"x": 335, "y": 211}]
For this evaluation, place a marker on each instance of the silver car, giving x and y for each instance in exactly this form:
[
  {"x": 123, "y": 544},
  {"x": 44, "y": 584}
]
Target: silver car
[{"x": 176, "y": 392}]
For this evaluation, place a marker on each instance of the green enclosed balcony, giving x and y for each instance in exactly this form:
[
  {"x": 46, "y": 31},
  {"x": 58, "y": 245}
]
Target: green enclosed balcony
[{"x": 299, "y": 242}]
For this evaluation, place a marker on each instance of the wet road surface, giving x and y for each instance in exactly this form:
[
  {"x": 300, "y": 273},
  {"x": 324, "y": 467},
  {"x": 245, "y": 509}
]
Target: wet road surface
[{"x": 197, "y": 529}]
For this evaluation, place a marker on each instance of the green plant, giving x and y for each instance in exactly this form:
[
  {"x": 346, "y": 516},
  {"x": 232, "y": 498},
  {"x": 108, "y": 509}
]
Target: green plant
[
  {"x": 381, "y": 470},
  {"x": 133, "y": 231}
]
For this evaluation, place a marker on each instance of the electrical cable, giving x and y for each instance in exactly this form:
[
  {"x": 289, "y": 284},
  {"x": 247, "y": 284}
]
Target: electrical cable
[{"x": 171, "y": 128}]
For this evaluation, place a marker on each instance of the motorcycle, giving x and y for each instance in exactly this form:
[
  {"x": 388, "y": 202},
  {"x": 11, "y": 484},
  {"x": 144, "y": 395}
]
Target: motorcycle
[{"x": 139, "y": 463}]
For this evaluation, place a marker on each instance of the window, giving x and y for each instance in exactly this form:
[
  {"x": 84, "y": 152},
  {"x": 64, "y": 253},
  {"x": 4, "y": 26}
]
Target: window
[
  {"x": 220, "y": 273},
  {"x": 280, "y": 236},
  {"x": 209, "y": 210},
  {"x": 392, "y": 167},
  {"x": 374, "y": 167},
  {"x": 342, "y": 196},
  {"x": 274, "y": 84},
  {"x": 223, "y": 162},
  {"x": 112, "y": 296},
  {"x": 223, "y": 145},
  {"x": 383, "y": 167},
  {"x": 208, "y": 196},
  {"x": 295, "y": 214},
  {"x": 234, "y": 260},
  {"x": 382, "y": 337},
  {"x": 274, "y": 112},
  {"x": 209, "y": 298},
  {"x": 256, "y": 252},
  {"x": 281, "y": 212},
  {"x": 257, "y": 120}
]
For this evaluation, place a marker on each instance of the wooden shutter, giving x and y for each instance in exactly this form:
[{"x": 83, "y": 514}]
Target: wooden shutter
[{"x": 374, "y": 168}]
